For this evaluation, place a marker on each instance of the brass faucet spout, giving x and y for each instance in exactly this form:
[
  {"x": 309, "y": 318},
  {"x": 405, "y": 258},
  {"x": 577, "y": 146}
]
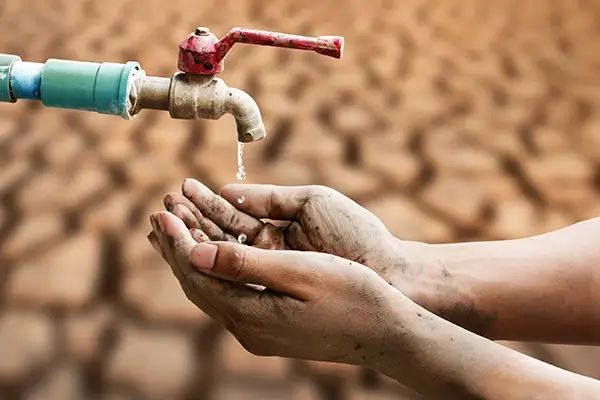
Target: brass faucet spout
[
  {"x": 241, "y": 105},
  {"x": 191, "y": 96}
]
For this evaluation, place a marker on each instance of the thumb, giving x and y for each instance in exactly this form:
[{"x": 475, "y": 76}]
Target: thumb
[
  {"x": 292, "y": 273},
  {"x": 269, "y": 201}
]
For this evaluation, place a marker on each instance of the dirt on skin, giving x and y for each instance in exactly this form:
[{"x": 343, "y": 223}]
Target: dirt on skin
[{"x": 450, "y": 119}]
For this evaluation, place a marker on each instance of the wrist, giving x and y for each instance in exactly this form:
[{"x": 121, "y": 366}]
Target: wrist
[
  {"x": 421, "y": 275},
  {"x": 420, "y": 350},
  {"x": 431, "y": 279},
  {"x": 440, "y": 360}
]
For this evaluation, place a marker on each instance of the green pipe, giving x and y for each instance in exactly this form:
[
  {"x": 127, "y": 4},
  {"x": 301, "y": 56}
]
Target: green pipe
[
  {"x": 76, "y": 85},
  {"x": 6, "y": 63}
]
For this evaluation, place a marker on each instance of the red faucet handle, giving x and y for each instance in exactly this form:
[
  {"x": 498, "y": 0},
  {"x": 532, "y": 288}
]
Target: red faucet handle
[
  {"x": 332, "y": 46},
  {"x": 202, "y": 53}
]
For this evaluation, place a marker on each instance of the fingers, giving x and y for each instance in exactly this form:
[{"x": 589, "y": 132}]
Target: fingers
[
  {"x": 184, "y": 209},
  {"x": 175, "y": 242},
  {"x": 186, "y": 215},
  {"x": 221, "y": 211},
  {"x": 269, "y": 201},
  {"x": 173, "y": 199},
  {"x": 297, "y": 238},
  {"x": 293, "y": 273},
  {"x": 220, "y": 299},
  {"x": 154, "y": 242},
  {"x": 199, "y": 236},
  {"x": 270, "y": 238}
]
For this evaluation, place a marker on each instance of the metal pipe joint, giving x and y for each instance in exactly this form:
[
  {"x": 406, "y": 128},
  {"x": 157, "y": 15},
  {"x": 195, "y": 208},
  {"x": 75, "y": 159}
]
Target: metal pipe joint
[{"x": 193, "y": 96}]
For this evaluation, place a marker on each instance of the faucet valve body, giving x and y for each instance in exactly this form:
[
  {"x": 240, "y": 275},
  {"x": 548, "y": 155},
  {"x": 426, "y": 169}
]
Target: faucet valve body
[
  {"x": 191, "y": 96},
  {"x": 124, "y": 89}
]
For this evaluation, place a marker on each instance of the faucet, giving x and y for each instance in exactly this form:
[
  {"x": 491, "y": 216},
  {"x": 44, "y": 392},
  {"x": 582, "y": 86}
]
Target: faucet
[{"x": 124, "y": 89}]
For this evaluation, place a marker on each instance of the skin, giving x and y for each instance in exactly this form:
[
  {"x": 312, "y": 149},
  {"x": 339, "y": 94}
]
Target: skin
[
  {"x": 296, "y": 314},
  {"x": 390, "y": 331},
  {"x": 533, "y": 289}
]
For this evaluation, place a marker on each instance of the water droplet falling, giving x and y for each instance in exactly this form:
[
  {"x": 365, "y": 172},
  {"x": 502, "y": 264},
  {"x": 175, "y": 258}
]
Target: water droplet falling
[
  {"x": 241, "y": 174},
  {"x": 242, "y": 238},
  {"x": 241, "y": 199}
]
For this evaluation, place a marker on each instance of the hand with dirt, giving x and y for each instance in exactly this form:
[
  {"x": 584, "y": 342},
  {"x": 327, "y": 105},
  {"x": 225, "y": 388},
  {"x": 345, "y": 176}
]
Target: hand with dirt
[
  {"x": 321, "y": 307},
  {"x": 316, "y": 218},
  {"x": 297, "y": 311}
]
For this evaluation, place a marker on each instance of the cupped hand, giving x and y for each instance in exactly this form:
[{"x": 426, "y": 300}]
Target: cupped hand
[
  {"x": 321, "y": 219},
  {"x": 315, "y": 306},
  {"x": 318, "y": 219}
]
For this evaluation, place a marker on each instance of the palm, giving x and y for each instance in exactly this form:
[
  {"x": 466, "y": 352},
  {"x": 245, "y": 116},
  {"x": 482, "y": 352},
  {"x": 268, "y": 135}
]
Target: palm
[{"x": 334, "y": 224}]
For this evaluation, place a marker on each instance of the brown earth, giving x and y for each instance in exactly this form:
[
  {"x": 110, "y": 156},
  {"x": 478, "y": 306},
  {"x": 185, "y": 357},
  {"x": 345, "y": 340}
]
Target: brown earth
[{"x": 450, "y": 119}]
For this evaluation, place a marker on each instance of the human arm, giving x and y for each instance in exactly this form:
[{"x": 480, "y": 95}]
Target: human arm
[
  {"x": 544, "y": 288},
  {"x": 445, "y": 361},
  {"x": 325, "y": 308},
  {"x": 534, "y": 289}
]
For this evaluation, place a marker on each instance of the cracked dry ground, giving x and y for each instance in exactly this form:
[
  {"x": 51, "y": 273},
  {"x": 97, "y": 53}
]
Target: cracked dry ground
[{"x": 450, "y": 119}]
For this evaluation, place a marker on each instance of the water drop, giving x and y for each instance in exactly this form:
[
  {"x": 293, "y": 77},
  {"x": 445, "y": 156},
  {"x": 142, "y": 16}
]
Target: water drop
[
  {"x": 241, "y": 199},
  {"x": 241, "y": 174},
  {"x": 242, "y": 238}
]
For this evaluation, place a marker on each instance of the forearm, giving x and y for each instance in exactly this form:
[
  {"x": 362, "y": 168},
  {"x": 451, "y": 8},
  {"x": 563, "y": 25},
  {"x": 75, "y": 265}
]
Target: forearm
[
  {"x": 442, "y": 360},
  {"x": 543, "y": 288}
]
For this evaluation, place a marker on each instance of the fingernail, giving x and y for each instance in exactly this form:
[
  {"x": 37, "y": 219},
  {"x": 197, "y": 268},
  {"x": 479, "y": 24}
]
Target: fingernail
[
  {"x": 151, "y": 237},
  {"x": 154, "y": 243},
  {"x": 154, "y": 224},
  {"x": 184, "y": 187},
  {"x": 174, "y": 208},
  {"x": 203, "y": 255}
]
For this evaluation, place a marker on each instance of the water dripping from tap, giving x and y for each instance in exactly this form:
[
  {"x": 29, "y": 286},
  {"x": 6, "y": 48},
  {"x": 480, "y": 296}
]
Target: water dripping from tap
[{"x": 241, "y": 174}]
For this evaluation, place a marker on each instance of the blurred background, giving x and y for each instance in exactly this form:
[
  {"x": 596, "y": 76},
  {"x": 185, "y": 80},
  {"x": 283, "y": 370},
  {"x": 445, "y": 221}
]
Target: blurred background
[{"x": 452, "y": 120}]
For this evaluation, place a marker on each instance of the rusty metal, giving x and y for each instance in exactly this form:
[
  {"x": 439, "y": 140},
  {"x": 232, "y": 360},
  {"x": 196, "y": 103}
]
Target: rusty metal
[
  {"x": 203, "y": 53},
  {"x": 200, "y": 96},
  {"x": 195, "y": 92},
  {"x": 125, "y": 90},
  {"x": 191, "y": 96},
  {"x": 153, "y": 93}
]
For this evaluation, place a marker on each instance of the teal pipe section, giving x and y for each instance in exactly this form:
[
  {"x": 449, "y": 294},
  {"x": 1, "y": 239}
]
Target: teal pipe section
[
  {"x": 6, "y": 63},
  {"x": 76, "y": 85},
  {"x": 88, "y": 86}
]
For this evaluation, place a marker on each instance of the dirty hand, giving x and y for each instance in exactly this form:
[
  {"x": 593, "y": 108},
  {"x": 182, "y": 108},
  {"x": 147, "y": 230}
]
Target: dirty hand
[
  {"x": 318, "y": 219},
  {"x": 302, "y": 313}
]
